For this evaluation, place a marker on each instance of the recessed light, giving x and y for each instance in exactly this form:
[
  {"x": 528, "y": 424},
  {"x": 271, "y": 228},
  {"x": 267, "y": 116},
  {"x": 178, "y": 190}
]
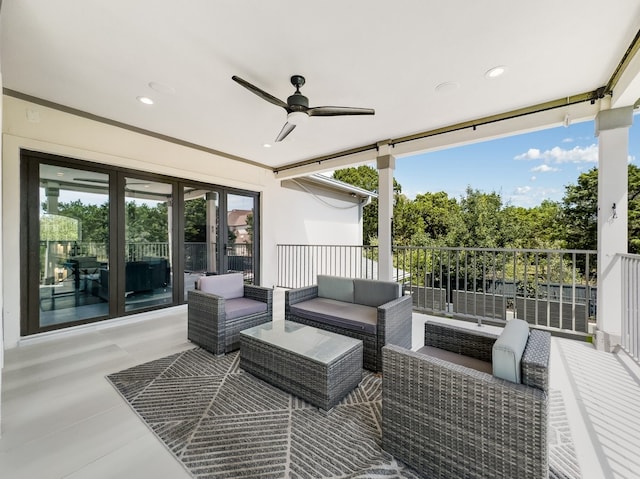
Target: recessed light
[
  {"x": 267, "y": 145},
  {"x": 59, "y": 173},
  {"x": 447, "y": 86},
  {"x": 162, "y": 88},
  {"x": 146, "y": 100},
  {"x": 495, "y": 72}
]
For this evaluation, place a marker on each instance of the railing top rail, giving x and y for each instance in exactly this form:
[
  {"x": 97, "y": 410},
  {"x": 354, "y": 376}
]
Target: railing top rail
[
  {"x": 502, "y": 250},
  {"x": 457, "y": 248},
  {"x": 629, "y": 256},
  {"x": 331, "y": 245}
]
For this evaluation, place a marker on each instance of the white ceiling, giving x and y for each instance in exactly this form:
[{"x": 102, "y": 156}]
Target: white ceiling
[{"x": 97, "y": 56}]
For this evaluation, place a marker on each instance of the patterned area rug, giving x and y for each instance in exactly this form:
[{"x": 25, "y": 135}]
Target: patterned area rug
[{"x": 219, "y": 421}]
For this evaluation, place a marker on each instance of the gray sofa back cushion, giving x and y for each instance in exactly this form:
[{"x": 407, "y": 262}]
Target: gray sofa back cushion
[
  {"x": 374, "y": 293},
  {"x": 508, "y": 349},
  {"x": 228, "y": 286},
  {"x": 335, "y": 287}
]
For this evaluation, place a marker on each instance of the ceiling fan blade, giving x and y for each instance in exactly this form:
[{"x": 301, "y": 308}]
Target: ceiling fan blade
[
  {"x": 286, "y": 129},
  {"x": 339, "y": 110},
  {"x": 261, "y": 93}
]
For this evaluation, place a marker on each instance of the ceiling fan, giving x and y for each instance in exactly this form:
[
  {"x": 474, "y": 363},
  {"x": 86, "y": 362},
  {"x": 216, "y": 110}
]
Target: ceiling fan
[{"x": 297, "y": 105}]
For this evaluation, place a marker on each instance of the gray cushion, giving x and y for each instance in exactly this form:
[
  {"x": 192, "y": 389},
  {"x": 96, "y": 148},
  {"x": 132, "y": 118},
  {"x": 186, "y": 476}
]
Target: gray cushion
[
  {"x": 335, "y": 287},
  {"x": 508, "y": 349},
  {"x": 240, "y": 307},
  {"x": 374, "y": 293},
  {"x": 459, "y": 359},
  {"x": 228, "y": 286},
  {"x": 355, "y": 317}
]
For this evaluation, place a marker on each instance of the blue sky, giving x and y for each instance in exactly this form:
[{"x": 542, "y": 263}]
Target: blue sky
[{"x": 524, "y": 169}]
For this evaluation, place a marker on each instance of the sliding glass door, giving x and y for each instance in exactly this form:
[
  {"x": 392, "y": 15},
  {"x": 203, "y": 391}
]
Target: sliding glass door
[
  {"x": 100, "y": 242},
  {"x": 73, "y": 244},
  {"x": 148, "y": 207}
]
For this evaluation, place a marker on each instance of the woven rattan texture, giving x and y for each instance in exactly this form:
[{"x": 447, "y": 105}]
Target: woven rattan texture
[
  {"x": 393, "y": 325},
  {"x": 208, "y": 327},
  {"x": 322, "y": 385}
]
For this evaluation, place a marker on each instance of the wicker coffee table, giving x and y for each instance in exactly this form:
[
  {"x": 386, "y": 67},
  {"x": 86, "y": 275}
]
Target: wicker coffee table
[{"x": 318, "y": 366}]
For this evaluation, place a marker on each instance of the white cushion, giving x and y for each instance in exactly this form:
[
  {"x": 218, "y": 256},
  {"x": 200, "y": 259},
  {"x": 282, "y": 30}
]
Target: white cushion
[
  {"x": 508, "y": 349},
  {"x": 228, "y": 286}
]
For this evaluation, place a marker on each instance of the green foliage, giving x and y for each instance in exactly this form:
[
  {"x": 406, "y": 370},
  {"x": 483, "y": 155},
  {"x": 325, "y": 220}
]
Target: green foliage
[
  {"x": 481, "y": 220},
  {"x": 580, "y": 211},
  {"x": 146, "y": 224},
  {"x": 195, "y": 220},
  {"x": 93, "y": 220}
]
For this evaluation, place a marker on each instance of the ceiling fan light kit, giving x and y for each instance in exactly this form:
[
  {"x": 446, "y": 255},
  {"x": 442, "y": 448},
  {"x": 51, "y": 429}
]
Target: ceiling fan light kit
[{"x": 297, "y": 105}]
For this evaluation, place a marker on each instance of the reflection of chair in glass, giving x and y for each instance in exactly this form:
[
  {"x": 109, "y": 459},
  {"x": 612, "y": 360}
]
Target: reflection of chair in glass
[
  {"x": 468, "y": 404},
  {"x": 221, "y": 307}
]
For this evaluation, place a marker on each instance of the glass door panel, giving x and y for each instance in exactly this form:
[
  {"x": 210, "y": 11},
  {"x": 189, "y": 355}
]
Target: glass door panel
[
  {"x": 148, "y": 241},
  {"x": 74, "y": 239},
  {"x": 201, "y": 227},
  {"x": 240, "y": 235}
]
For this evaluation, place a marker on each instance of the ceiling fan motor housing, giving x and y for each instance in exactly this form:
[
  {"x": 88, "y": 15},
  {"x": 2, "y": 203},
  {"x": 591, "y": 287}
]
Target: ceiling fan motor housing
[{"x": 298, "y": 102}]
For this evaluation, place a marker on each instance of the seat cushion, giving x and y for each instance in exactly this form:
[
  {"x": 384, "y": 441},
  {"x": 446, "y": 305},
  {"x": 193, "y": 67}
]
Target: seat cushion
[
  {"x": 239, "y": 307},
  {"x": 228, "y": 286},
  {"x": 508, "y": 349},
  {"x": 355, "y": 317},
  {"x": 335, "y": 287},
  {"x": 374, "y": 293}
]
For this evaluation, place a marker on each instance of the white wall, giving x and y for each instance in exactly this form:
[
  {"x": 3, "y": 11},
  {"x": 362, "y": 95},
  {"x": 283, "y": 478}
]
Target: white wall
[
  {"x": 288, "y": 216},
  {"x": 1, "y": 272}
]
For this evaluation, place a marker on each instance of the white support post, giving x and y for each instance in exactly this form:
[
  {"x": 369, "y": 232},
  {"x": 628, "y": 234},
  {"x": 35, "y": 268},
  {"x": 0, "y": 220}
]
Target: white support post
[
  {"x": 386, "y": 164},
  {"x": 612, "y": 129},
  {"x": 212, "y": 234}
]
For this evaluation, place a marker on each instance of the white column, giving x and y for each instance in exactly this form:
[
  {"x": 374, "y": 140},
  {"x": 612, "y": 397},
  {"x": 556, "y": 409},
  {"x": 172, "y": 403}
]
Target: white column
[
  {"x": 386, "y": 164},
  {"x": 612, "y": 129},
  {"x": 212, "y": 234}
]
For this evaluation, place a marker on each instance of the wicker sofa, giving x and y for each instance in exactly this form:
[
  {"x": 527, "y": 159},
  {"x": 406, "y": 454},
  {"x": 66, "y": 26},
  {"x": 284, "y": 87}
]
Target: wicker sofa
[
  {"x": 447, "y": 414},
  {"x": 221, "y": 307},
  {"x": 370, "y": 310}
]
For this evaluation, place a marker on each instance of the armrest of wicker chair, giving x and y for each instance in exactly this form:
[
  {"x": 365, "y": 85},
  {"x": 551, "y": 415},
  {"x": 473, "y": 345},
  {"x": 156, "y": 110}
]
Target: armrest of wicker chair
[
  {"x": 394, "y": 324},
  {"x": 293, "y": 296},
  {"x": 206, "y": 320},
  {"x": 447, "y": 420},
  {"x": 259, "y": 293},
  {"x": 535, "y": 360}
]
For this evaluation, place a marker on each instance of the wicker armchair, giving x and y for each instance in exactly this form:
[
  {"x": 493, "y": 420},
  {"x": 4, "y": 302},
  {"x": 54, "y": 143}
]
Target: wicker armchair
[
  {"x": 222, "y": 307},
  {"x": 447, "y": 420}
]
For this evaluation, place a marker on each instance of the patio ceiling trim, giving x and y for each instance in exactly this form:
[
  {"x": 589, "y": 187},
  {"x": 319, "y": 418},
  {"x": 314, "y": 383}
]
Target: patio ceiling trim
[
  {"x": 415, "y": 143},
  {"x": 90, "y": 116}
]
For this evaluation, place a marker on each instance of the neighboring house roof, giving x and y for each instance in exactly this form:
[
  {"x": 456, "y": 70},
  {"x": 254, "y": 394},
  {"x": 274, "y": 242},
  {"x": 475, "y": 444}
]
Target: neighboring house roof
[{"x": 237, "y": 218}]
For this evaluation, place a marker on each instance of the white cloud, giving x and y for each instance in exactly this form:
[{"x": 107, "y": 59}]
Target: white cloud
[
  {"x": 533, "y": 178},
  {"x": 568, "y": 140},
  {"x": 544, "y": 168},
  {"x": 528, "y": 197},
  {"x": 558, "y": 155},
  {"x": 531, "y": 154}
]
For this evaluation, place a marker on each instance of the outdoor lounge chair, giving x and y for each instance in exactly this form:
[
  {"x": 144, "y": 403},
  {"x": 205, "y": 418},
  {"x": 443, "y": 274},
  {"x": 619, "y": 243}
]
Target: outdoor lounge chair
[
  {"x": 447, "y": 411},
  {"x": 221, "y": 307}
]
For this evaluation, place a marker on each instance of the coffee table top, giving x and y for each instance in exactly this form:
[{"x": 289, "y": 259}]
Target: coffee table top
[{"x": 313, "y": 343}]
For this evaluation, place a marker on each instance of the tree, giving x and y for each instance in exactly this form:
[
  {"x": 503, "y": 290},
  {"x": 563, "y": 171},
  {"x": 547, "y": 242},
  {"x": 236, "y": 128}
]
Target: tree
[
  {"x": 480, "y": 222},
  {"x": 580, "y": 211},
  {"x": 366, "y": 177}
]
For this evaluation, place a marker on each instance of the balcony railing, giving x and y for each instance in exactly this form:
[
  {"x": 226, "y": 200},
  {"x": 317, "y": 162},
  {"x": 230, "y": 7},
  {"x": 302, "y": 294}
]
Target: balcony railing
[
  {"x": 630, "y": 266},
  {"x": 552, "y": 289}
]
